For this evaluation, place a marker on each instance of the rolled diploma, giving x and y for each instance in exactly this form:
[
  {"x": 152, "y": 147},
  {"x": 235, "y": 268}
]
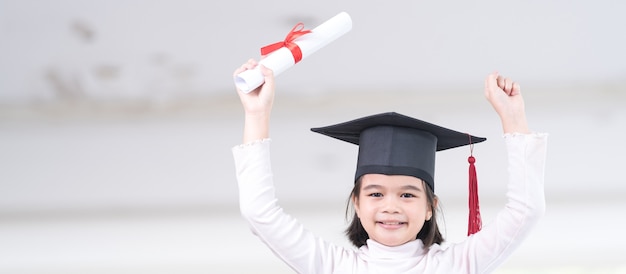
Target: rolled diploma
[{"x": 282, "y": 59}]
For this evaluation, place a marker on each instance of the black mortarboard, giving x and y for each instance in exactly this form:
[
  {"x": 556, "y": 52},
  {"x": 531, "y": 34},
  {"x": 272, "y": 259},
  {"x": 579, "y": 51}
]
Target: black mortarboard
[{"x": 395, "y": 144}]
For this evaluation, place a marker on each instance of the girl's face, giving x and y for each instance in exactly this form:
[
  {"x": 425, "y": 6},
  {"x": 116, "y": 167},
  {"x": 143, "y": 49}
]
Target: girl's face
[{"x": 392, "y": 208}]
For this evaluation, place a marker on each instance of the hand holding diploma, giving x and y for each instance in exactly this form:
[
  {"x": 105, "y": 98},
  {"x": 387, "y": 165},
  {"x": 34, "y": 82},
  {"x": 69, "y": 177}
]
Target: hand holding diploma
[{"x": 298, "y": 45}]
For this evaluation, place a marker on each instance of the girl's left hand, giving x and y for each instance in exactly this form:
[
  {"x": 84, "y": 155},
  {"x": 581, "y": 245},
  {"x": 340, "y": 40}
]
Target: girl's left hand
[{"x": 505, "y": 97}]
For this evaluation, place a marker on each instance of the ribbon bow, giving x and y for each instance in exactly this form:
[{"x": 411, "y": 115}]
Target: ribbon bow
[{"x": 295, "y": 32}]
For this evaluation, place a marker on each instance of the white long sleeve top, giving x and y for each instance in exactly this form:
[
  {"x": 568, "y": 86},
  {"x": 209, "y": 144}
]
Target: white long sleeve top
[{"x": 479, "y": 253}]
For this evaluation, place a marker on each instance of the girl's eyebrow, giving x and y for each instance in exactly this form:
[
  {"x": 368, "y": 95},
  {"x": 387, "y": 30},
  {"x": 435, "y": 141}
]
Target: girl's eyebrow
[
  {"x": 368, "y": 187},
  {"x": 412, "y": 187},
  {"x": 405, "y": 187}
]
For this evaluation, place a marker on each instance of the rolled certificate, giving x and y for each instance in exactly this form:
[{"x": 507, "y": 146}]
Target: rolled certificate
[{"x": 287, "y": 56}]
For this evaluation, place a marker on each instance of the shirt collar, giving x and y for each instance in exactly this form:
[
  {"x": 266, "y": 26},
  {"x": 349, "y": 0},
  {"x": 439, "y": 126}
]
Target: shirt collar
[{"x": 377, "y": 250}]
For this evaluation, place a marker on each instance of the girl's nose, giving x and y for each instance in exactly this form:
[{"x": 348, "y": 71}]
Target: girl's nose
[{"x": 390, "y": 205}]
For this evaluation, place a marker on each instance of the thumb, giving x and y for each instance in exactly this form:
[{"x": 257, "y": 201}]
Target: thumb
[
  {"x": 266, "y": 71},
  {"x": 268, "y": 75}
]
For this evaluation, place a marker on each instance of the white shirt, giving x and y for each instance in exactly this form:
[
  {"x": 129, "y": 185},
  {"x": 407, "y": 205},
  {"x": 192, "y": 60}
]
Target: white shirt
[{"x": 479, "y": 253}]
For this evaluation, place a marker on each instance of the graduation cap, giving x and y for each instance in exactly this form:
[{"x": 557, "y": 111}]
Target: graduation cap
[{"x": 395, "y": 144}]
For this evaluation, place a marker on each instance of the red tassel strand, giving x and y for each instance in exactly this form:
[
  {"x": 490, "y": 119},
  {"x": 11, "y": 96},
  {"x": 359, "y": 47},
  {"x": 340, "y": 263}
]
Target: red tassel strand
[{"x": 475, "y": 222}]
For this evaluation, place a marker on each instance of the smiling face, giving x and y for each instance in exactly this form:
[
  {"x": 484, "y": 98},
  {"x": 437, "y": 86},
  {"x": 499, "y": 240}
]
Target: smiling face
[{"x": 392, "y": 208}]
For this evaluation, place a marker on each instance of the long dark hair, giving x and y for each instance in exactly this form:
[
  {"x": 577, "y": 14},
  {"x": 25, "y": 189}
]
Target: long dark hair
[{"x": 429, "y": 234}]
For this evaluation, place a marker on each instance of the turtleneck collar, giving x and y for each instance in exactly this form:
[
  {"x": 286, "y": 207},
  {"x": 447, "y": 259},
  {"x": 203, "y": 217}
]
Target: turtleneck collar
[{"x": 377, "y": 250}]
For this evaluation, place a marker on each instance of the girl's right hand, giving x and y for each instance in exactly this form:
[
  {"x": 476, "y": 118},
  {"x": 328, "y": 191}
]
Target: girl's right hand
[{"x": 260, "y": 100}]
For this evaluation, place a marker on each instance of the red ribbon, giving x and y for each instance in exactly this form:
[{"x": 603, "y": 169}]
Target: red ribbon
[{"x": 295, "y": 32}]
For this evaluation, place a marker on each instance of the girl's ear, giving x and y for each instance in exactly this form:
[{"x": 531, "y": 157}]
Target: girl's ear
[
  {"x": 429, "y": 214},
  {"x": 355, "y": 203}
]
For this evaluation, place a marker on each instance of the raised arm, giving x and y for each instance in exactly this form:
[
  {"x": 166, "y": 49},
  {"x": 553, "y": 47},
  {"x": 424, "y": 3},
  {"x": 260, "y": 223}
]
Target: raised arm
[
  {"x": 282, "y": 233},
  {"x": 484, "y": 251}
]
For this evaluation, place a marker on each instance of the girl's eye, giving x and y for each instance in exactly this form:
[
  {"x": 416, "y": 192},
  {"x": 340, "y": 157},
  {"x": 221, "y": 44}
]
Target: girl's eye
[
  {"x": 376, "y": 194},
  {"x": 407, "y": 195}
]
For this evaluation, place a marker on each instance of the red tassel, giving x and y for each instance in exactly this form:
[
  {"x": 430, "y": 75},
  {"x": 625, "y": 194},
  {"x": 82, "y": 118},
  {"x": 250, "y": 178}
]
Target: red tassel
[{"x": 475, "y": 222}]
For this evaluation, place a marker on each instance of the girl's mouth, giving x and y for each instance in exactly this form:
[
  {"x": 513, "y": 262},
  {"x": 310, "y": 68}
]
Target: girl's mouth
[{"x": 390, "y": 224}]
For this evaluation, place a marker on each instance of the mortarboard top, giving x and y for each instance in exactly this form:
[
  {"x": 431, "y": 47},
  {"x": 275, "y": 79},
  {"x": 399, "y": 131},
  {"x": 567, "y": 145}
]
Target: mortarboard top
[{"x": 395, "y": 144}]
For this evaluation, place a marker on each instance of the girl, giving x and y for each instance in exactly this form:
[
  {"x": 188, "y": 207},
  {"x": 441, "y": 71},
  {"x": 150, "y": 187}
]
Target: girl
[{"x": 394, "y": 227}]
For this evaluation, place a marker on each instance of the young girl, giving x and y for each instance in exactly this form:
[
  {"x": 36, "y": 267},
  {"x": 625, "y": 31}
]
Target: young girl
[{"x": 394, "y": 227}]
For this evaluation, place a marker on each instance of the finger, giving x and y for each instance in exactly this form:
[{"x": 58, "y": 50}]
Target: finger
[
  {"x": 490, "y": 83},
  {"x": 266, "y": 71},
  {"x": 508, "y": 86},
  {"x": 516, "y": 89},
  {"x": 501, "y": 82},
  {"x": 268, "y": 74},
  {"x": 250, "y": 64}
]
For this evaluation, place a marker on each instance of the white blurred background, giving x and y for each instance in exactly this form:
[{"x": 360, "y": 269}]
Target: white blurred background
[{"x": 117, "y": 119}]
